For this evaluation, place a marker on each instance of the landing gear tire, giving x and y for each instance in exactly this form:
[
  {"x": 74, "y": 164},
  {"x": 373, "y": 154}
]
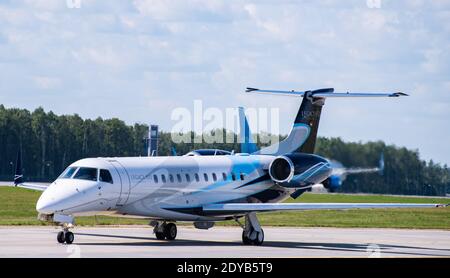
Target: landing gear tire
[
  {"x": 60, "y": 237},
  {"x": 160, "y": 235},
  {"x": 69, "y": 237},
  {"x": 170, "y": 231},
  {"x": 65, "y": 237},
  {"x": 253, "y": 234},
  {"x": 257, "y": 240},
  {"x": 245, "y": 239}
]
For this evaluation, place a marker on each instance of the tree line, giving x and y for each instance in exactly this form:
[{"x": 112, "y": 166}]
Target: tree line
[{"x": 49, "y": 143}]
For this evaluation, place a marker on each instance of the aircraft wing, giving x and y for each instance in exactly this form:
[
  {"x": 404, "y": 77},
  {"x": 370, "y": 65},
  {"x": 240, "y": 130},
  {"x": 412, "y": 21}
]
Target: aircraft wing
[
  {"x": 33, "y": 186},
  {"x": 261, "y": 207}
]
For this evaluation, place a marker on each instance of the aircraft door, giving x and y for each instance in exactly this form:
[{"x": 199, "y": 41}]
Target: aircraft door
[{"x": 124, "y": 181}]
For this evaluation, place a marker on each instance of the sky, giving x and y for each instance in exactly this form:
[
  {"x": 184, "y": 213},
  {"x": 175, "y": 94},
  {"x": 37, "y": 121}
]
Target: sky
[{"x": 142, "y": 60}]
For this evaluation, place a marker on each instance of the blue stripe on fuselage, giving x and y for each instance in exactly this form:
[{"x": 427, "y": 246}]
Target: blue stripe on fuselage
[{"x": 238, "y": 166}]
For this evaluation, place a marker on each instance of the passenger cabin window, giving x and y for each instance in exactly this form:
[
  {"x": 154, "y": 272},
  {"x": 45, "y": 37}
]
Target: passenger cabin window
[
  {"x": 105, "y": 176},
  {"x": 233, "y": 176},
  {"x": 188, "y": 178},
  {"x": 163, "y": 178},
  {"x": 171, "y": 178},
  {"x": 68, "y": 173},
  {"x": 85, "y": 173},
  {"x": 214, "y": 177},
  {"x": 205, "y": 176},
  {"x": 224, "y": 176},
  {"x": 179, "y": 177},
  {"x": 197, "y": 178},
  {"x": 155, "y": 178},
  {"x": 242, "y": 176}
]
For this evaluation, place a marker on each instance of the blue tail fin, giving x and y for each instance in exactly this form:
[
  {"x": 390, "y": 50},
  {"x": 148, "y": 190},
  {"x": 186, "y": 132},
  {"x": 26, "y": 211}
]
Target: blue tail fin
[
  {"x": 173, "y": 150},
  {"x": 246, "y": 139}
]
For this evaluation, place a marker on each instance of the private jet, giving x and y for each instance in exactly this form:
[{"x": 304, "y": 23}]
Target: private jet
[{"x": 202, "y": 189}]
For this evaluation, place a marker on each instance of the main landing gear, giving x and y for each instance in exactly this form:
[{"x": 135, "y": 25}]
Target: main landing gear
[
  {"x": 252, "y": 234},
  {"x": 65, "y": 236},
  {"x": 165, "y": 230}
]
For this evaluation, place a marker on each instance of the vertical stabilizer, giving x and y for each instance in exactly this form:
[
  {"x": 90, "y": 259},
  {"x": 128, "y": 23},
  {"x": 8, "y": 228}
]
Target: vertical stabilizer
[
  {"x": 303, "y": 135},
  {"x": 18, "y": 176},
  {"x": 309, "y": 116},
  {"x": 245, "y": 135}
]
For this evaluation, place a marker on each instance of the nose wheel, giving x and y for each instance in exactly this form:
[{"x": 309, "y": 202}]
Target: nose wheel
[{"x": 65, "y": 236}]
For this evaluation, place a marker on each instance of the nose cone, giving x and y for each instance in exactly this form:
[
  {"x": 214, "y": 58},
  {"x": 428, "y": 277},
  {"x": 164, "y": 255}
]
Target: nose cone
[
  {"x": 47, "y": 205},
  {"x": 66, "y": 196},
  {"x": 44, "y": 207},
  {"x": 50, "y": 201}
]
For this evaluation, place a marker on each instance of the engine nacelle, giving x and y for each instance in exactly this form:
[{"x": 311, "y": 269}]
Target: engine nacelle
[
  {"x": 332, "y": 183},
  {"x": 298, "y": 169}
]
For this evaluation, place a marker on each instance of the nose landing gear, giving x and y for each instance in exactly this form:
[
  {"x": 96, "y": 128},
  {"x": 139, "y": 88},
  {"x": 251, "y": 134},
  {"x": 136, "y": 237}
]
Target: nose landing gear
[{"x": 65, "y": 236}]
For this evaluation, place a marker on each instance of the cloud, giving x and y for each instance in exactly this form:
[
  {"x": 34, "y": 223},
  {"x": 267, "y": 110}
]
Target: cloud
[
  {"x": 103, "y": 56},
  {"x": 47, "y": 83},
  {"x": 182, "y": 10},
  {"x": 137, "y": 60}
]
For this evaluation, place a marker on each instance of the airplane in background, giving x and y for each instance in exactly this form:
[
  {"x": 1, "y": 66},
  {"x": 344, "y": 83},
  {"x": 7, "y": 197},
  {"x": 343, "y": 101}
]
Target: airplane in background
[
  {"x": 202, "y": 189},
  {"x": 340, "y": 173},
  {"x": 18, "y": 176}
]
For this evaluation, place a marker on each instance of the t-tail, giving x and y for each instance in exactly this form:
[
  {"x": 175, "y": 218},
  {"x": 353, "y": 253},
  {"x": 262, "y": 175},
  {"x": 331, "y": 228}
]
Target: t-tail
[
  {"x": 303, "y": 135},
  {"x": 308, "y": 117}
]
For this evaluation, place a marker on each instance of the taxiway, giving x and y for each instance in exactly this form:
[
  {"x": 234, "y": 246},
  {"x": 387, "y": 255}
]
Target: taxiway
[{"x": 223, "y": 242}]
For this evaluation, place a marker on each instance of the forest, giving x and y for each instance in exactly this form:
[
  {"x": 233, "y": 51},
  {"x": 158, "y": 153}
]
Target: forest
[{"x": 50, "y": 142}]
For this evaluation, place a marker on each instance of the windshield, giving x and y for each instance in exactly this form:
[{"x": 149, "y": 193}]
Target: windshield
[
  {"x": 85, "y": 173},
  {"x": 67, "y": 173}
]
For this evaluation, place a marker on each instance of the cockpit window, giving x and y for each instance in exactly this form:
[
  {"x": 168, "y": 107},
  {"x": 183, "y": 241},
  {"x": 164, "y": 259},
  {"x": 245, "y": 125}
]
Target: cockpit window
[
  {"x": 85, "y": 173},
  {"x": 67, "y": 173},
  {"x": 105, "y": 176}
]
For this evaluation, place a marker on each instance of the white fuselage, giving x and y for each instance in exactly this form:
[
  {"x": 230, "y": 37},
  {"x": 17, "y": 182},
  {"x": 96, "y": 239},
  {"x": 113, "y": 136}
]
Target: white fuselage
[{"x": 172, "y": 188}]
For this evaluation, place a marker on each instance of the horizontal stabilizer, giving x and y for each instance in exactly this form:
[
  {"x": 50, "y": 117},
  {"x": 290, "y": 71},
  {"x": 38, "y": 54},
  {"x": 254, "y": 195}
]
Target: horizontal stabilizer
[{"x": 324, "y": 93}]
